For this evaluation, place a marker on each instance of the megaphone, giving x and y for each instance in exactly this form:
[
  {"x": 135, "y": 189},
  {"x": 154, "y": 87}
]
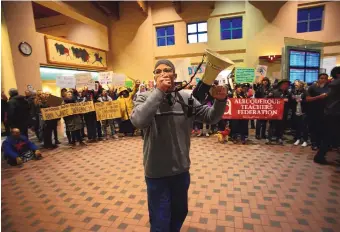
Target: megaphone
[{"x": 215, "y": 63}]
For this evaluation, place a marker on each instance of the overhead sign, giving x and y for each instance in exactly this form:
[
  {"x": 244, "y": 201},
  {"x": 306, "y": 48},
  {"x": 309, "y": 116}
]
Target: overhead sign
[{"x": 244, "y": 75}]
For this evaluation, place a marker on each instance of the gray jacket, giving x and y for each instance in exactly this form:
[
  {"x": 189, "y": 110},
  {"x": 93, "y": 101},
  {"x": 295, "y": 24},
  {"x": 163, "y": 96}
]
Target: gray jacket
[{"x": 167, "y": 130}]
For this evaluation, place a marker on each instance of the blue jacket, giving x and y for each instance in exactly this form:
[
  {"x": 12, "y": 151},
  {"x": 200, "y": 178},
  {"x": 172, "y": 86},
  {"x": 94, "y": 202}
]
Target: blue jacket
[{"x": 15, "y": 147}]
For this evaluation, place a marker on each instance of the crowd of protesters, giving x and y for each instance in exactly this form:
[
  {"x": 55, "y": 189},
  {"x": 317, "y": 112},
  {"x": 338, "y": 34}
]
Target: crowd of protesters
[{"x": 307, "y": 115}]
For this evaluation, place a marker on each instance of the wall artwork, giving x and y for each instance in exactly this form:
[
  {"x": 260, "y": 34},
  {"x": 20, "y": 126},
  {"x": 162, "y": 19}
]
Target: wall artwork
[{"x": 66, "y": 53}]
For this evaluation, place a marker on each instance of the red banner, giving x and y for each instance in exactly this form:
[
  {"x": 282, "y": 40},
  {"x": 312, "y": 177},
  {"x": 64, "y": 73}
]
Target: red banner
[{"x": 254, "y": 108}]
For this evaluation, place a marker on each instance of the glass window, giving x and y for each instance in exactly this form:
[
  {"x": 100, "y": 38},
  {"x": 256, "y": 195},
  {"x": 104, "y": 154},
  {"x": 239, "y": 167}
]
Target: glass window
[
  {"x": 165, "y": 36},
  {"x": 231, "y": 28},
  {"x": 197, "y": 32},
  {"x": 310, "y": 19}
]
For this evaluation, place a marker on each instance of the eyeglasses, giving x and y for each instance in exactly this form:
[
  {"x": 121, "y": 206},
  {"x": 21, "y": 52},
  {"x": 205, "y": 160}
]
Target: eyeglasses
[{"x": 159, "y": 71}]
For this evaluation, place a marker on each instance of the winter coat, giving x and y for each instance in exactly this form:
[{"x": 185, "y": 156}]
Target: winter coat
[
  {"x": 18, "y": 112},
  {"x": 333, "y": 98},
  {"x": 126, "y": 104},
  {"x": 14, "y": 148},
  {"x": 72, "y": 122}
]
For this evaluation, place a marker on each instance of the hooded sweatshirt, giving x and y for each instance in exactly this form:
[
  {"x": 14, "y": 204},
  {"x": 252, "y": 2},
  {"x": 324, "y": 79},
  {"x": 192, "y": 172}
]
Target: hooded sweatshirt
[
  {"x": 18, "y": 111},
  {"x": 167, "y": 129}
]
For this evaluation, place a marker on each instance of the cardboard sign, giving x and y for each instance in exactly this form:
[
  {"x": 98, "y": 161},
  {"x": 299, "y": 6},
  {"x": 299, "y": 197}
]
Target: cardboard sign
[
  {"x": 105, "y": 78},
  {"x": 254, "y": 108},
  {"x": 66, "y": 81},
  {"x": 128, "y": 84},
  {"x": 50, "y": 113},
  {"x": 67, "y": 110},
  {"x": 84, "y": 79},
  {"x": 107, "y": 110},
  {"x": 244, "y": 75},
  {"x": 118, "y": 80},
  {"x": 82, "y": 107}
]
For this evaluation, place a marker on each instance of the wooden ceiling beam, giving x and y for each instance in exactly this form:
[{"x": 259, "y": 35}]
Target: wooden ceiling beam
[
  {"x": 143, "y": 6},
  {"x": 178, "y": 6}
]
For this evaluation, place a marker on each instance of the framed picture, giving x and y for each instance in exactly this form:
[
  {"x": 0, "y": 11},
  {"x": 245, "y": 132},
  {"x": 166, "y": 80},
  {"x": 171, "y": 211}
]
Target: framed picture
[{"x": 66, "y": 53}]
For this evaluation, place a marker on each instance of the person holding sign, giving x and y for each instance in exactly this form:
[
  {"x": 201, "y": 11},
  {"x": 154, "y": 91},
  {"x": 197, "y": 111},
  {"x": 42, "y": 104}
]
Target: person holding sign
[
  {"x": 126, "y": 105},
  {"x": 108, "y": 122},
  {"x": 167, "y": 128},
  {"x": 73, "y": 122}
]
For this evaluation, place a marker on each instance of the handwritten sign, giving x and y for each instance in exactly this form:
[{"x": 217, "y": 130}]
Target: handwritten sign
[
  {"x": 84, "y": 79},
  {"x": 107, "y": 110},
  {"x": 50, "y": 113},
  {"x": 118, "y": 80},
  {"x": 244, "y": 75},
  {"x": 261, "y": 71},
  {"x": 66, "y": 81},
  {"x": 105, "y": 78},
  {"x": 67, "y": 110}
]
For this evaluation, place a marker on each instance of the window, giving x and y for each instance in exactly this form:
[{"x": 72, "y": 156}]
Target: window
[
  {"x": 310, "y": 19},
  {"x": 197, "y": 32},
  {"x": 231, "y": 28},
  {"x": 165, "y": 36}
]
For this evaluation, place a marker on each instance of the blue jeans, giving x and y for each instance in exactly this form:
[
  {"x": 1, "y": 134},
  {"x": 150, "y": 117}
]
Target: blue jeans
[{"x": 168, "y": 202}]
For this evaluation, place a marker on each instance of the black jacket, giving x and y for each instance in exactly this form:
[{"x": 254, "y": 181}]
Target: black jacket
[
  {"x": 333, "y": 100},
  {"x": 18, "y": 112},
  {"x": 262, "y": 92}
]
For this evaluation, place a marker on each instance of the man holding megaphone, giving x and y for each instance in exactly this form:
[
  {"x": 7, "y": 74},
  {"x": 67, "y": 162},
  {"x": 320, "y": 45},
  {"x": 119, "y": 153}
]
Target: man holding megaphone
[{"x": 164, "y": 116}]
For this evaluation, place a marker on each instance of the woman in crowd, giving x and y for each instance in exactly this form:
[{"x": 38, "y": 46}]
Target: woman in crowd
[
  {"x": 90, "y": 117},
  {"x": 239, "y": 127},
  {"x": 108, "y": 122},
  {"x": 73, "y": 122},
  {"x": 316, "y": 99},
  {"x": 126, "y": 106},
  {"x": 262, "y": 90},
  {"x": 299, "y": 106}
]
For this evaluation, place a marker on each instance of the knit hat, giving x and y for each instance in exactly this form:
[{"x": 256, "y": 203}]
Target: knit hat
[{"x": 167, "y": 63}]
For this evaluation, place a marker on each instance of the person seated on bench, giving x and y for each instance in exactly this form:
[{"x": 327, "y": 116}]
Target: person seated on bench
[{"x": 18, "y": 149}]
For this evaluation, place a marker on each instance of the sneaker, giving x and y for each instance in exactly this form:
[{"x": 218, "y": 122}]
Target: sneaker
[
  {"x": 199, "y": 134},
  {"x": 115, "y": 136},
  {"x": 297, "y": 142},
  {"x": 207, "y": 135},
  {"x": 57, "y": 142},
  {"x": 280, "y": 142},
  {"x": 320, "y": 161},
  {"x": 314, "y": 148},
  {"x": 268, "y": 142},
  {"x": 258, "y": 137},
  {"x": 82, "y": 143},
  {"x": 304, "y": 144}
]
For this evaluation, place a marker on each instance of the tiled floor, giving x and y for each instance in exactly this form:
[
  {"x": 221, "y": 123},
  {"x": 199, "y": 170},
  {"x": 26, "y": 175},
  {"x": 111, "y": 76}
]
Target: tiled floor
[{"x": 234, "y": 188}]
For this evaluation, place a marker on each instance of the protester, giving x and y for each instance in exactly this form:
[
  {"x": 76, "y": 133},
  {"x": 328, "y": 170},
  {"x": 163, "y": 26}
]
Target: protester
[
  {"x": 262, "y": 90},
  {"x": 299, "y": 104},
  {"x": 18, "y": 112},
  {"x": 73, "y": 122},
  {"x": 19, "y": 149},
  {"x": 316, "y": 99},
  {"x": 4, "y": 114},
  {"x": 239, "y": 127},
  {"x": 107, "y": 122},
  {"x": 330, "y": 133},
  {"x": 166, "y": 145},
  {"x": 90, "y": 117},
  {"x": 276, "y": 127},
  {"x": 126, "y": 106}
]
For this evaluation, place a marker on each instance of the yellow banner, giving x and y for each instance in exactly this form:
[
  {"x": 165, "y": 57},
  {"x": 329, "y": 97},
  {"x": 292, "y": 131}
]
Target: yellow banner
[
  {"x": 67, "y": 110},
  {"x": 107, "y": 110},
  {"x": 50, "y": 113}
]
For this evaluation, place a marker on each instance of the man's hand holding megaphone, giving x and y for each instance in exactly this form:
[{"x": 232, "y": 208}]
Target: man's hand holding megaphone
[{"x": 219, "y": 92}]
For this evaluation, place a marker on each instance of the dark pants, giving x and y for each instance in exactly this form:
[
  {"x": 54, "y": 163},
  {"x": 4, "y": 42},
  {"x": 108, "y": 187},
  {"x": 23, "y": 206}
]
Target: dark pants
[
  {"x": 168, "y": 202},
  {"x": 252, "y": 124},
  {"x": 261, "y": 126},
  {"x": 240, "y": 127},
  {"x": 222, "y": 124},
  {"x": 55, "y": 129},
  {"x": 69, "y": 136},
  {"x": 47, "y": 133},
  {"x": 330, "y": 136},
  {"x": 316, "y": 125},
  {"x": 276, "y": 127},
  {"x": 301, "y": 127},
  {"x": 91, "y": 125},
  {"x": 75, "y": 136},
  {"x": 99, "y": 129}
]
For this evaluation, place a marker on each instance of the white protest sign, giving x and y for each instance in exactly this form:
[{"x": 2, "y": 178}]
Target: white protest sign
[
  {"x": 261, "y": 71},
  {"x": 83, "y": 79},
  {"x": 118, "y": 79},
  {"x": 66, "y": 81},
  {"x": 329, "y": 63},
  {"x": 105, "y": 78}
]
